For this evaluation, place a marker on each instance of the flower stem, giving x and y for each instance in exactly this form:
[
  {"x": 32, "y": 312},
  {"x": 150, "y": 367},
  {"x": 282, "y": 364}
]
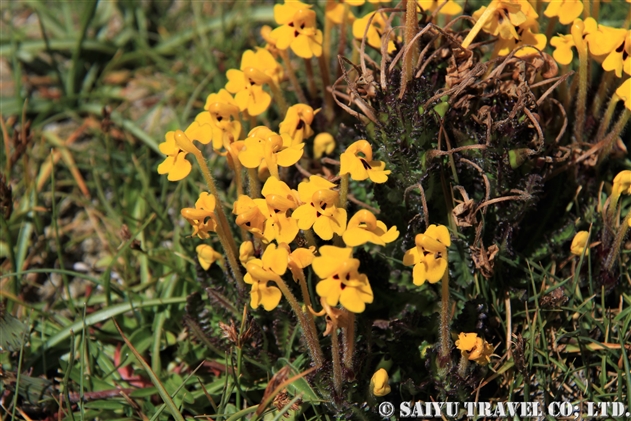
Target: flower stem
[
  {"x": 344, "y": 190},
  {"x": 342, "y": 41},
  {"x": 326, "y": 40},
  {"x": 583, "y": 59},
  {"x": 612, "y": 136},
  {"x": 445, "y": 342},
  {"x": 326, "y": 82},
  {"x": 313, "y": 90},
  {"x": 606, "y": 118},
  {"x": 586, "y": 9},
  {"x": 279, "y": 97},
  {"x": 622, "y": 231},
  {"x": 337, "y": 364},
  {"x": 226, "y": 239},
  {"x": 348, "y": 332},
  {"x": 310, "y": 335},
  {"x": 596, "y": 9},
  {"x": 411, "y": 28},
  {"x": 306, "y": 298},
  {"x": 292, "y": 77},
  {"x": 603, "y": 90},
  {"x": 254, "y": 185},
  {"x": 462, "y": 367}
]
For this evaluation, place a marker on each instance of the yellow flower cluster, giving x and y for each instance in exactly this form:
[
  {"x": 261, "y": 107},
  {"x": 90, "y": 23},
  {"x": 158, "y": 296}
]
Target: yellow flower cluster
[
  {"x": 277, "y": 210},
  {"x": 271, "y": 218}
]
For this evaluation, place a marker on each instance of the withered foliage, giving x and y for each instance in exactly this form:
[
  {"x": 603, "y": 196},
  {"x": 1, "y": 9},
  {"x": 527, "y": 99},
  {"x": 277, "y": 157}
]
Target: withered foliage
[{"x": 483, "y": 140}]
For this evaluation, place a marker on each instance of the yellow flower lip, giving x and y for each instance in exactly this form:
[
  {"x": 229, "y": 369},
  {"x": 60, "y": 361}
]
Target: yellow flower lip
[
  {"x": 255, "y": 76},
  {"x": 222, "y": 109},
  {"x": 304, "y": 19},
  {"x": 184, "y": 143},
  {"x": 429, "y": 244},
  {"x": 279, "y": 202},
  {"x": 324, "y": 201},
  {"x": 259, "y": 273},
  {"x": 364, "y": 219},
  {"x": 194, "y": 214}
]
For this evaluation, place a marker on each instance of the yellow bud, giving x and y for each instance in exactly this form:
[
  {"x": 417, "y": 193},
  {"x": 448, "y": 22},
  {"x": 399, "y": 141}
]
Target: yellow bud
[{"x": 379, "y": 382}]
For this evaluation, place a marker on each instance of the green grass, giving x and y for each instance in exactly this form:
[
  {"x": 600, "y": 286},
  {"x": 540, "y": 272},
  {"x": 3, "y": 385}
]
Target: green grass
[{"x": 126, "y": 305}]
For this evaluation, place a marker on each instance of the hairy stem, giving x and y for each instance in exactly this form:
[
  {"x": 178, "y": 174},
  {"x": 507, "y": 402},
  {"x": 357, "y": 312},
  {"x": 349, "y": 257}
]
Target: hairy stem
[
  {"x": 309, "y": 317},
  {"x": 349, "y": 340},
  {"x": 622, "y": 232},
  {"x": 292, "y": 77},
  {"x": 254, "y": 185},
  {"x": 613, "y": 135},
  {"x": 583, "y": 59},
  {"x": 313, "y": 90},
  {"x": 225, "y": 237},
  {"x": 310, "y": 335},
  {"x": 411, "y": 28},
  {"x": 445, "y": 340}
]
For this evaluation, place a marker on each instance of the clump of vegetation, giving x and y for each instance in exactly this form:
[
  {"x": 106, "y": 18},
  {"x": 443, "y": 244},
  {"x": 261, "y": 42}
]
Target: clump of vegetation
[{"x": 375, "y": 202}]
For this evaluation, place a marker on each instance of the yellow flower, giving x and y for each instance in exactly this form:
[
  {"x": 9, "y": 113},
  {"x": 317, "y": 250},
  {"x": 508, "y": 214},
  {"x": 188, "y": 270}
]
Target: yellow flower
[
  {"x": 624, "y": 92},
  {"x": 298, "y": 29},
  {"x": 271, "y": 266},
  {"x": 319, "y": 209},
  {"x": 256, "y": 70},
  {"x": 224, "y": 118},
  {"x": 323, "y": 143},
  {"x": 251, "y": 214},
  {"x": 500, "y": 18},
  {"x": 175, "y": 164},
  {"x": 526, "y": 37},
  {"x": 341, "y": 282},
  {"x": 246, "y": 252},
  {"x": 579, "y": 243},
  {"x": 565, "y": 10},
  {"x": 361, "y": 168},
  {"x": 379, "y": 383},
  {"x": 279, "y": 196},
  {"x": 334, "y": 11},
  {"x": 562, "y": 48},
  {"x": 474, "y": 348},
  {"x": 250, "y": 95},
  {"x": 263, "y": 145},
  {"x": 466, "y": 341},
  {"x": 297, "y": 123},
  {"x": 298, "y": 259},
  {"x": 622, "y": 182},
  {"x": 375, "y": 29},
  {"x": 264, "y": 61},
  {"x": 429, "y": 257},
  {"x": 206, "y": 255},
  {"x": 563, "y": 43},
  {"x": 364, "y": 227},
  {"x": 615, "y": 45},
  {"x": 280, "y": 199},
  {"x": 202, "y": 217},
  {"x": 451, "y": 8}
]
